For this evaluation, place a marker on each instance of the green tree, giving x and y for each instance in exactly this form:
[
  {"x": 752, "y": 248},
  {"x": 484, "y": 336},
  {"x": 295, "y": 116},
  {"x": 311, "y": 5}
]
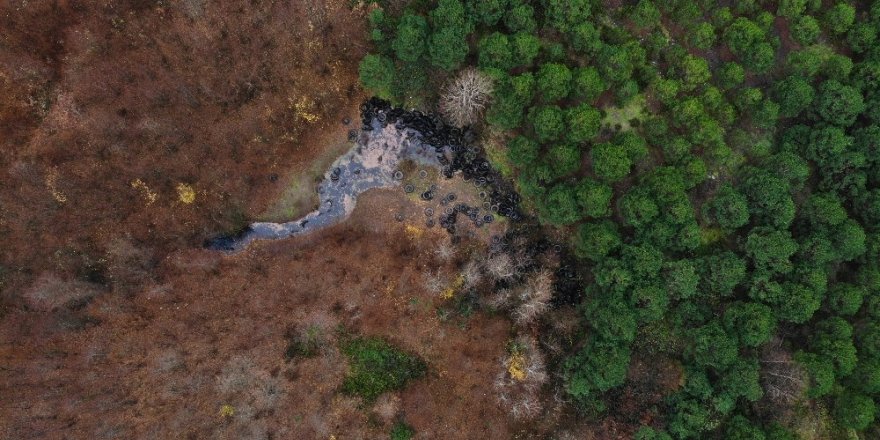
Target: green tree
[
  {"x": 778, "y": 432},
  {"x": 824, "y": 209},
  {"x": 565, "y": 159},
  {"x": 721, "y": 273},
  {"x": 854, "y": 410},
  {"x": 525, "y": 48},
  {"x": 769, "y": 198},
  {"x": 840, "y": 18},
  {"x": 740, "y": 428},
  {"x": 522, "y": 151},
  {"x": 614, "y": 63},
  {"x": 862, "y": 37},
  {"x": 597, "y": 239},
  {"x": 748, "y": 42},
  {"x": 648, "y": 433},
  {"x": 635, "y": 146},
  {"x": 729, "y": 208},
  {"x": 833, "y": 341},
  {"x": 866, "y": 376},
  {"x": 845, "y": 299},
  {"x": 794, "y": 95},
  {"x": 702, "y": 36},
  {"x": 599, "y": 367},
  {"x": 610, "y": 162},
  {"x": 587, "y": 83},
  {"x": 839, "y": 104},
  {"x": 409, "y": 42},
  {"x": 791, "y": 9},
  {"x": 693, "y": 71},
  {"x": 820, "y": 373},
  {"x": 649, "y": 302},
  {"x": 554, "y": 81},
  {"x": 547, "y": 121},
  {"x": 790, "y": 167},
  {"x": 868, "y": 336},
  {"x": 807, "y": 62},
  {"x": 377, "y": 75},
  {"x": 511, "y": 96},
  {"x": 805, "y": 30},
  {"x": 563, "y": 14},
  {"x": 495, "y": 51},
  {"x": 560, "y": 206},
  {"x": 752, "y": 322},
  {"x": 402, "y": 431},
  {"x": 594, "y": 198},
  {"x": 585, "y": 38},
  {"x": 638, "y": 208},
  {"x": 681, "y": 279},
  {"x": 447, "y": 49},
  {"x": 770, "y": 249},
  {"x": 583, "y": 122},
  {"x": 520, "y": 18},
  {"x": 488, "y": 12},
  {"x": 712, "y": 346},
  {"x": 645, "y": 15},
  {"x": 838, "y": 67},
  {"x": 730, "y": 75}
]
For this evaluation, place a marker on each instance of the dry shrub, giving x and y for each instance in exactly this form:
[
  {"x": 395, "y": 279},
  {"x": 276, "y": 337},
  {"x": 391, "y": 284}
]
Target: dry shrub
[
  {"x": 501, "y": 267},
  {"x": 387, "y": 407},
  {"x": 51, "y": 293},
  {"x": 246, "y": 386},
  {"x": 445, "y": 252},
  {"x": 523, "y": 373},
  {"x": 466, "y": 97},
  {"x": 472, "y": 274},
  {"x": 129, "y": 267},
  {"x": 434, "y": 282},
  {"x": 535, "y": 297}
]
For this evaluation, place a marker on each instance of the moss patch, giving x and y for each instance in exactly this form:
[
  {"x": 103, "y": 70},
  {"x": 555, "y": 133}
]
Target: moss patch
[{"x": 377, "y": 367}]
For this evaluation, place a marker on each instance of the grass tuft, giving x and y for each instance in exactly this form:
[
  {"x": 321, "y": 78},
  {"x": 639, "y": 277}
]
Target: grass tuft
[{"x": 376, "y": 367}]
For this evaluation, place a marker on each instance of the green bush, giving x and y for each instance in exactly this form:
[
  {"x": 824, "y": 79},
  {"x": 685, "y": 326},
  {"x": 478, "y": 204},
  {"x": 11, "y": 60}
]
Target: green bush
[{"x": 376, "y": 367}]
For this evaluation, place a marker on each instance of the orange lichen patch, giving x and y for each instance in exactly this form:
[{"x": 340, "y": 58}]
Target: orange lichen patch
[
  {"x": 148, "y": 194},
  {"x": 516, "y": 366},
  {"x": 303, "y": 109},
  {"x": 449, "y": 292},
  {"x": 51, "y": 185},
  {"x": 413, "y": 231},
  {"x": 185, "y": 193},
  {"x": 227, "y": 410}
]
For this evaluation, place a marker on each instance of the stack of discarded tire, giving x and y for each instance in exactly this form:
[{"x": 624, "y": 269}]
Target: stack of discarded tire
[{"x": 466, "y": 158}]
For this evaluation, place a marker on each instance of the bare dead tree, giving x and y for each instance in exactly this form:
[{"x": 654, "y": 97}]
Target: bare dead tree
[
  {"x": 523, "y": 373},
  {"x": 445, "y": 252},
  {"x": 535, "y": 296},
  {"x": 465, "y": 98},
  {"x": 472, "y": 274},
  {"x": 434, "y": 283},
  {"x": 501, "y": 267},
  {"x": 784, "y": 381}
]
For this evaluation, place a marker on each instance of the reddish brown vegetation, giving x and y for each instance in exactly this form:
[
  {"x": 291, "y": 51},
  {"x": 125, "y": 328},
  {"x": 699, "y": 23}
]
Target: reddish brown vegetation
[
  {"x": 97, "y": 96},
  {"x": 164, "y": 362}
]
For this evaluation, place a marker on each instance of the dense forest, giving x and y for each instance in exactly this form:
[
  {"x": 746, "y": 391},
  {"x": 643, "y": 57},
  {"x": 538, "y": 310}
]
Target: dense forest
[{"x": 716, "y": 166}]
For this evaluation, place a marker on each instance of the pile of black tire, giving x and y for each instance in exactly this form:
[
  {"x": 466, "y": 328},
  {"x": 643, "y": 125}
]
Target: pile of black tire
[{"x": 456, "y": 153}]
